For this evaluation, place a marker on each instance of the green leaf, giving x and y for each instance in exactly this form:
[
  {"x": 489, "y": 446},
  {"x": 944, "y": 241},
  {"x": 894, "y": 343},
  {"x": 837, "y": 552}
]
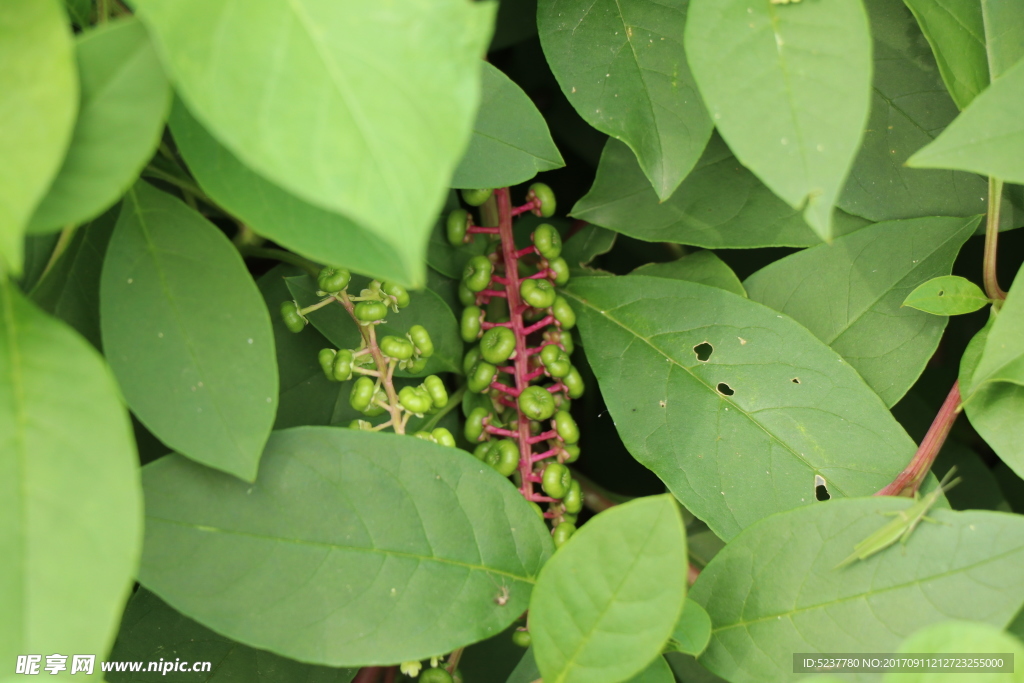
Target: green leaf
[
  {"x": 1004, "y": 34},
  {"x": 693, "y": 632},
  {"x": 37, "y": 252},
  {"x": 987, "y": 137},
  {"x": 526, "y": 671},
  {"x": 346, "y": 546},
  {"x": 743, "y": 433},
  {"x": 789, "y": 88},
  {"x": 850, "y": 295},
  {"x": 971, "y": 356},
  {"x": 995, "y": 411},
  {"x": 425, "y": 308},
  {"x": 623, "y": 67},
  {"x": 956, "y": 32},
  {"x": 689, "y": 670},
  {"x": 511, "y": 142},
  {"x": 657, "y": 672},
  {"x": 607, "y": 602},
  {"x": 368, "y": 123},
  {"x": 38, "y": 103},
  {"x": 947, "y": 295},
  {"x": 186, "y": 332},
  {"x": 1003, "y": 356},
  {"x": 70, "y": 500},
  {"x": 909, "y": 108},
  {"x": 151, "y": 629},
  {"x": 958, "y": 636},
  {"x": 703, "y": 267},
  {"x": 124, "y": 102},
  {"x": 79, "y": 11},
  {"x": 70, "y": 290},
  {"x": 315, "y": 233},
  {"x": 441, "y": 255},
  {"x": 774, "y": 589},
  {"x": 720, "y": 205},
  {"x": 584, "y": 246}
]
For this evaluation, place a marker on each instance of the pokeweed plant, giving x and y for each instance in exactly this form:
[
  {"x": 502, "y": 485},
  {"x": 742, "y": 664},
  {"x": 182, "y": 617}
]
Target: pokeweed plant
[{"x": 247, "y": 250}]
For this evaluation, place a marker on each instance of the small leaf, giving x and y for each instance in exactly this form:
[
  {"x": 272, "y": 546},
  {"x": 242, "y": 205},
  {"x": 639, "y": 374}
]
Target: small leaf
[
  {"x": 723, "y": 399},
  {"x": 151, "y": 627},
  {"x": 584, "y": 246},
  {"x": 856, "y": 308},
  {"x": 987, "y": 137},
  {"x": 657, "y": 672},
  {"x": 788, "y": 87},
  {"x": 956, "y": 636},
  {"x": 995, "y": 411},
  {"x": 38, "y": 103},
  {"x": 1003, "y": 356},
  {"x": 1004, "y": 34},
  {"x": 956, "y": 32},
  {"x": 947, "y": 295},
  {"x": 125, "y": 100},
  {"x": 511, "y": 142},
  {"x": 623, "y": 67},
  {"x": 702, "y": 267},
  {"x": 187, "y": 334},
  {"x": 693, "y": 632},
  {"x": 347, "y": 544},
  {"x": 70, "y": 501},
  {"x": 720, "y": 205},
  {"x": 774, "y": 589},
  {"x": 335, "y": 114},
  {"x": 607, "y": 602}
]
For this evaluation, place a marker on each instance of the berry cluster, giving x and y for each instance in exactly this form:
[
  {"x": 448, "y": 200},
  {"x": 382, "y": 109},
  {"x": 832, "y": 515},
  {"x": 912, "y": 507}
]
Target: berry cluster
[
  {"x": 520, "y": 327},
  {"x": 375, "y": 360}
]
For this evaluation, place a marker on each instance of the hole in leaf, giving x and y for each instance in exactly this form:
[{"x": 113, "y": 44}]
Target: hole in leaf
[
  {"x": 795, "y": 380},
  {"x": 820, "y": 489},
  {"x": 942, "y": 292},
  {"x": 724, "y": 389},
  {"x": 703, "y": 351}
]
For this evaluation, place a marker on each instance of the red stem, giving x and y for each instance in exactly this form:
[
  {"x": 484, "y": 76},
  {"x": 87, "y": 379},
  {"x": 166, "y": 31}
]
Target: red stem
[{"x": 368, "y": 674}]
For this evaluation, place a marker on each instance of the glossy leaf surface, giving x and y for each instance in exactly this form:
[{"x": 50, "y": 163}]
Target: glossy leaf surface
[{"x": 947, "y": 295}]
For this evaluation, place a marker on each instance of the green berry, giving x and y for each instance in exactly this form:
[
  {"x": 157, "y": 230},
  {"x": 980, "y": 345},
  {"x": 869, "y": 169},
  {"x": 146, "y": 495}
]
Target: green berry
[
  {"x": 466, "y": 296},
  {"x": 421, "y": 340},
  {"x": 436, "y": 675},
  {"x": 470, "y": 325},
  {"x": 362, "y": 393},
  {"x": 375, "y": 408},
  {"x": 497, "y": 344},
  {"x": 470, "y": 359},
  {"x": 426, "y": 436},
  {"x": 536, "y": 403},
  {"x": 326, "y": 360},
  {"x": 521, "y": 637},
  {"x": 546, "y": 197},
  {"x": 573, "y": 383},
  {"x": 556, "y": 480},
  {"x": 504, "y": 457},
  {"x": 458, "y": 222},
  {"x": 474, "y": 427},
  {"x": 476, "y": 197},
  {"x": 567, "y": 342},
  {"x": 362, "y": 425},
  {"x": 477, "y": 273},
  {"x": 555, "y": 360},
  {"x": 566, "y": 427},
  {"x": 370, "y": 311},
  {"x": 415, "y": 400},
  {"x": 561, "y": 269},
  {"x": 573, "y": 452},
  {"x": 481, "y": 451},
  {"x": 341, "y": 368},
  {"x": 573, "y": 498},
  {"x": 396, "y": 347},
  {"x": 562, "y": 533},
  {"x": 417, "y": 366},
  {"x": 333, "y": 279},
  {"x": 480, "y": 377},
  {"x": 436, "y": 389},
  {"x": 293, "y": 320},
  {"x": 536, "y": 508},
  {"x": 537, "y": 293},
  {"x": 563, "y": 313},
  {"x": 443, "y": 437},
  {"x": 548, "y": 241},
  {"x": 399, "y": 294}
]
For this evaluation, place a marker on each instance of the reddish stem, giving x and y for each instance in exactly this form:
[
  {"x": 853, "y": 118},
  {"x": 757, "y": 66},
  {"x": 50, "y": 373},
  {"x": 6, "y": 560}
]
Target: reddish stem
[
  {"x": 390, "y": 674},
  {"x": 543, "y": 437},
  {"x": 540, "y": 324},
  {"x": 490, "y": 294},
  {"x": 368, "y": 674},
  {"x": 528, "y": 206},
  {"x": 505, "y": 389},
  {"x": 545, "y": 455},
  {"x": 909, "y": 480},
  {"x": 480, "y": 229},
  {"x": 498, "y": 431}
]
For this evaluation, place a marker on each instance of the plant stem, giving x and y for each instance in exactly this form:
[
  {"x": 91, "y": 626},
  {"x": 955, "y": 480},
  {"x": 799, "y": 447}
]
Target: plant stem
[
  {"x": 386, "y": 369},
  {"x": 990, "y": 277},
  {"x": 595, "y": 498},
  {"x": 180, "y": 183},
  {"x": 909, "y": 480},
  {"x": 691, "y": 575},
  {"x": 453, "y": 660},
  {"x": 368, "y": 674},
  {"x": 62, "y": 243},
  {"x": 279, "y": 255}
]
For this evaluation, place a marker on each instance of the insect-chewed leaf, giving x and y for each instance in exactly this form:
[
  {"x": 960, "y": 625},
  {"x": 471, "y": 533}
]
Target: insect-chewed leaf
[{"x": 947, "y": 295}]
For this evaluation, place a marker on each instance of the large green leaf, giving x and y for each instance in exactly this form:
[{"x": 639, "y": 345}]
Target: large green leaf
[
  {"x": 352, "y": 547},
  {"x": 987, "y": 137},
  {"x": 719, "y": 205},
  {"x": 703, "y": 267},
  {"x": 38, "y": 102},
  {"x": 956, "y": 32},
  {"x": 187, "y": 334},
  {"x": 850, "y": 295},
  {"x": 657, "y": 671},
  {"x": 1002, "y": 360},
  {"x": 744, "y": 432},
  {"x": 151, "y": 629},
  {"x": 316, "y": 233},
  {"x": 511, "y": 142},
  {"x": 70, "y": 500},
  {"x": 623, "y": 67},
  {"x": 960, "y": 636},
  {"x": 947, "y": 295},
  {"x": 607, "y": 602},
  {"x": 909, "y": 108},
  {"x": 125, "y": 99},
  {"x": 1004, "y": 34},
  {"x": 789, "y": 88},
  {"x": 995, "y": 411},
  {"x": 70, "y": 290},
  {"x": 359, "y": 108},
  {"x": 774, "y": 589},
  {"x": 582, "y": 247}
]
